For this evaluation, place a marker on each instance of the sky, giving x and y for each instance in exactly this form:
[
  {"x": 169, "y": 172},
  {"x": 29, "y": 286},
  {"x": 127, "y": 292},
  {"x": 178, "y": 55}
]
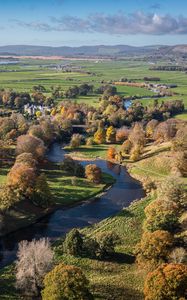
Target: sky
[{"x": 93, "y": 22}]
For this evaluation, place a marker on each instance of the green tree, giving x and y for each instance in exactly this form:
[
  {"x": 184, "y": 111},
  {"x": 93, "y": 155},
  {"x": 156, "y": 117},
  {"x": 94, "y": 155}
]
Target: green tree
[{"x": 66, "y": 283}]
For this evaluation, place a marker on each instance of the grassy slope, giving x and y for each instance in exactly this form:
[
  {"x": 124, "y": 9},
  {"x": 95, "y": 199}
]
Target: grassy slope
[{"x": 118, "y": 278}]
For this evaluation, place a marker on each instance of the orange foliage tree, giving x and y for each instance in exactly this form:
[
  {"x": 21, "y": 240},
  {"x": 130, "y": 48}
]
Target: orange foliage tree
[
  {"x": 167, "y": 282},
  {"x": 93, "y": 173}
]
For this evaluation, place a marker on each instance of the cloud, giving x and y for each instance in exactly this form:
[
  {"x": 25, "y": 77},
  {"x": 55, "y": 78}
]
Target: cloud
[{"x": 121, "y": 24}]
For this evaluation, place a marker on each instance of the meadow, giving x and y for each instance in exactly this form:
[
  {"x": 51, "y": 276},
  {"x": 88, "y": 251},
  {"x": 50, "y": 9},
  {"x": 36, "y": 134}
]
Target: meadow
[{"x": 27, "y": 73}]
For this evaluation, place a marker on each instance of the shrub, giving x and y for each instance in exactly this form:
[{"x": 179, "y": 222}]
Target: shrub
[
  {"x": 93, "y": 173},
  {"x": 73, "y": 243},
  {"x": 35, "y": 259},
  {"x": 167, "y": 282},
  {"x": 161, "y": 214},
  {"x": 154, "y": 247},
  {"x": 66, "y": 282},
  {"x": 72, "y": 167}
]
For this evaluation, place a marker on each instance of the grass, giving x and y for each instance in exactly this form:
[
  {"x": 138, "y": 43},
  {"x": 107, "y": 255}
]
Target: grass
[
  {"x": 91, "y": 152},
  {"x": 110, "y": 279},
  {"x": 119, "y": 276},
  {"x": 3, "y": 174},
  {"x": 69, "y": 190}
]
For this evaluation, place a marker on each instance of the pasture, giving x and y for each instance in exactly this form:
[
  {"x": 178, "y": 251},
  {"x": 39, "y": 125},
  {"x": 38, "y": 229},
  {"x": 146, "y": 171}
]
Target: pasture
[{"x": 27, "y": 73}]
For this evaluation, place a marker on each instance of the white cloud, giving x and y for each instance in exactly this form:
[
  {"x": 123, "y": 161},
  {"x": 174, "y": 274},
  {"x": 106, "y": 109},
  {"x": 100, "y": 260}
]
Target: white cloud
[{"x": 122, "y": 24}]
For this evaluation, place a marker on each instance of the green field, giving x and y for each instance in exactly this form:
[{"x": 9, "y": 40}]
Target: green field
[{"x": 26, "y": 74}]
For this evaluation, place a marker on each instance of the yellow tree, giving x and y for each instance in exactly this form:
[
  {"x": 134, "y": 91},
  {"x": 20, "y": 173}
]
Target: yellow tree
[
  {"x": 111, "y": 135},
  {"x": 100, "y": 136}
]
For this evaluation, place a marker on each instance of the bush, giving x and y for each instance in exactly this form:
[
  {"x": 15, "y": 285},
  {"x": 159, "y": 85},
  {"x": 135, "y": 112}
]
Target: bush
[
  {"x": 35, "y": 259},
  {"x": 167, "y": 282},
  {"x": 154, "y": 248},
  {"x": 72, "y": 167},
  {"x": 73, "y": 243},
  {"x": 161, "y": 214},
  {"x": 93, "y": 173},
  {"x": 66, "y": 282}
]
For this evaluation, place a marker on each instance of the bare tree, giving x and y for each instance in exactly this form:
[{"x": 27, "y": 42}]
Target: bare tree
[
  {"x": 35, "y": 259},
  {"x": 178, "y": 255}
]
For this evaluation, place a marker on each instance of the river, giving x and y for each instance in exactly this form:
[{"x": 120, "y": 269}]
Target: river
[{"x": 121, "y": 194}]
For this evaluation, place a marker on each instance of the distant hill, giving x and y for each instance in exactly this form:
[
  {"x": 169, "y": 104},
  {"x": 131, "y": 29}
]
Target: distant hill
[{"x": 99, "y": 51}]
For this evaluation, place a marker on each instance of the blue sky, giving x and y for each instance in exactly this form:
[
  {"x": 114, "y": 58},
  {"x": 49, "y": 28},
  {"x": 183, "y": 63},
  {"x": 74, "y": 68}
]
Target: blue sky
[{"x": 93, "y": 22}]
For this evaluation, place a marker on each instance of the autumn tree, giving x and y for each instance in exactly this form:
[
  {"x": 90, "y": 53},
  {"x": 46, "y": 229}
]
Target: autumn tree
[
  {"x": 111, "y": 135},
  {"x": 167, "y": 282},
  {"x": 76, "y": 140},
  {"x": 41, "y": 194},
  {"x": 93, "y": 173},
  {"x": 172, "y": 189},
  {"x": 9, "y": 196},
  {"x": 34, "y": 260},
  {"x": 161, "y": 214},
  {"x": 126, "y": 147},
  {"x": 66, "y": 282},
  {"x": 137, "y": 135},
  {"x": 23, "y": 177},
  {"x": 150, "y": 128},
  {"x": 30, "y": 144},
  {"x": 26, "y": 159},
  {"x": 122, "y": 134},
  {"x": 100, "y": 136},
  {"x": 154, "y": 247},
  {"x": 72, "y": 167},
  {"x": 111, "y": 153}
]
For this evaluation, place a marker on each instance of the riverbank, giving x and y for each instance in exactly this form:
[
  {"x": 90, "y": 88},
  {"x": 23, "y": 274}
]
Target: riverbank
[
  {"x": 67, "y": 191},
  {"x": 110, "y": 279}
]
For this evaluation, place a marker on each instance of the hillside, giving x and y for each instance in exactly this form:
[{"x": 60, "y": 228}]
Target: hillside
[{"x": 99, "y": 50}]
